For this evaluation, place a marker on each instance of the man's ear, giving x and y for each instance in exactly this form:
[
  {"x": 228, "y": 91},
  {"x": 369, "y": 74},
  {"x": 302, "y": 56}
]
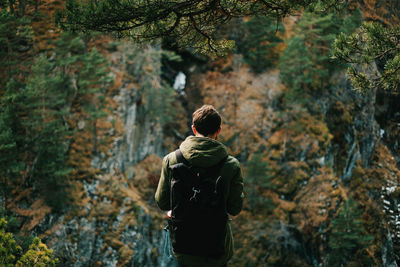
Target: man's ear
[
  {"x": 194, "y": 129},
  {"x": 217, "y": 133}
]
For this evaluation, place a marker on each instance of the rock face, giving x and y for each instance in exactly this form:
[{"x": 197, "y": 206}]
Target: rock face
[
  {"x": 113, "y": 223},
  {"x": 109, "y": 235},
  {"x": 367, "y": 148},
  {"x": 142, "y": 132}
]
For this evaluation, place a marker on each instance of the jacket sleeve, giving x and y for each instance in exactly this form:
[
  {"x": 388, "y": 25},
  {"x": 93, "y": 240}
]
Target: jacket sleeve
[
  {"x": 162, "y": 196},
  {"x": 235, "y": 198}
]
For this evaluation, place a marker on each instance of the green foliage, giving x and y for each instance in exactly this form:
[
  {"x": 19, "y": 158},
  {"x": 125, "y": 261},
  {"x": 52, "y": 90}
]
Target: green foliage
[
  {"x": 259, "y": 41},
  {"x": 9, "y": 163},
  {"x": 372, "y": 42},
  {"x": 11, "y": 254},
  {"x": 70, "y": 55},
  {"x": 11, "y": 140},
  {"x": 258, "y": 174},
  {"x": 348, "y": 237},
  {"x": 37, "y": 255},
  {"x": 15, "y": 37},
  {"x": 50, "y": 92},
  {"x": 296, "y": 68},
  {"x": 13, "y": 223},
  {"x": 35, "y": 116},
  {"x": 305, "y": 65},
  {"x": 187, "y": 23},
  {"x": 13, "y": 226},
  {"x": 45, "y": 101},
  {"x": 87, "y": 74},
  {"x": 9, "y": 249},
  {"x": 334, "y": 6}
]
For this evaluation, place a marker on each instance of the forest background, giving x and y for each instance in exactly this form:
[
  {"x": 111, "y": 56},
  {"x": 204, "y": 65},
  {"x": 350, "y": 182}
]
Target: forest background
[{"x": 89, "y": 104}]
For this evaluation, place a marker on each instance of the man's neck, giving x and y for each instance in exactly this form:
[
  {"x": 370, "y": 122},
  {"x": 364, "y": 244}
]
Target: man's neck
[{"x": 212, "y": 136}]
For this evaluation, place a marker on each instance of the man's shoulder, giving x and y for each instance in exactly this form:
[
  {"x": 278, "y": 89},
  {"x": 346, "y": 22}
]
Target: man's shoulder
[
  {"x": 232, "y": 162},
  {"x": 170, "y": 159}
]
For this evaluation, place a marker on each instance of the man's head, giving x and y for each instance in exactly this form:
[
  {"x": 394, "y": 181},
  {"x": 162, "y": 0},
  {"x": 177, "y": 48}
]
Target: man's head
[{"x": 206, "y": 122}]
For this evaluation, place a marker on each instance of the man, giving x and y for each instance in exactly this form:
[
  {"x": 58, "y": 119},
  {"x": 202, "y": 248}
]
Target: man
[{"x": 203, "y": 151}]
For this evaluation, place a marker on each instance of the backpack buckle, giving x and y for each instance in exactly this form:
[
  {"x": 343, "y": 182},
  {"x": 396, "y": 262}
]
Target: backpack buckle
[{"x": 195, "y": 192}]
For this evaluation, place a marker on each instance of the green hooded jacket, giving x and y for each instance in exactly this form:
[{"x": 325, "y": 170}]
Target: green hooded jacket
[{"x": 205, "y": 152}]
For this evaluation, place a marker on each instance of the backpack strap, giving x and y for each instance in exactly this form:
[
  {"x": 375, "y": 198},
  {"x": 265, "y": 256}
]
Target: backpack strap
[{"x": 181, "y": 159}]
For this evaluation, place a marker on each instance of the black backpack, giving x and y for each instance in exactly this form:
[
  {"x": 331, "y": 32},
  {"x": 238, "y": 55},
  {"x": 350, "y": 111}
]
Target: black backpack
[{"x": 198, "y": 222}]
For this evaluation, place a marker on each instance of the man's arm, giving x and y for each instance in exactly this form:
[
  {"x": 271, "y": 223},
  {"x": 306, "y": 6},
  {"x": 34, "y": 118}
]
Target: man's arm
[
  {"x": 162, "y": 196},
  {"x": 235, "y": 198}
]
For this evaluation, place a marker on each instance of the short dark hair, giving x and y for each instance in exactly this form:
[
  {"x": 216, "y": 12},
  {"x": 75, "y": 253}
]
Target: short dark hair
[{"x": 206, "y": 120}]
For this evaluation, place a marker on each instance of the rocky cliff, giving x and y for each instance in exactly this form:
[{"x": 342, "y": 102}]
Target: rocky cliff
[
  {"x": 113, "y": 221},
  {"x": 319, "y": 153}
]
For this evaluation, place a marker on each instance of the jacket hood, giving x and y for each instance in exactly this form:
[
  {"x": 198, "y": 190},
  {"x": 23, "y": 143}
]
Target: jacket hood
[{"x": 203, "y": 151}]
